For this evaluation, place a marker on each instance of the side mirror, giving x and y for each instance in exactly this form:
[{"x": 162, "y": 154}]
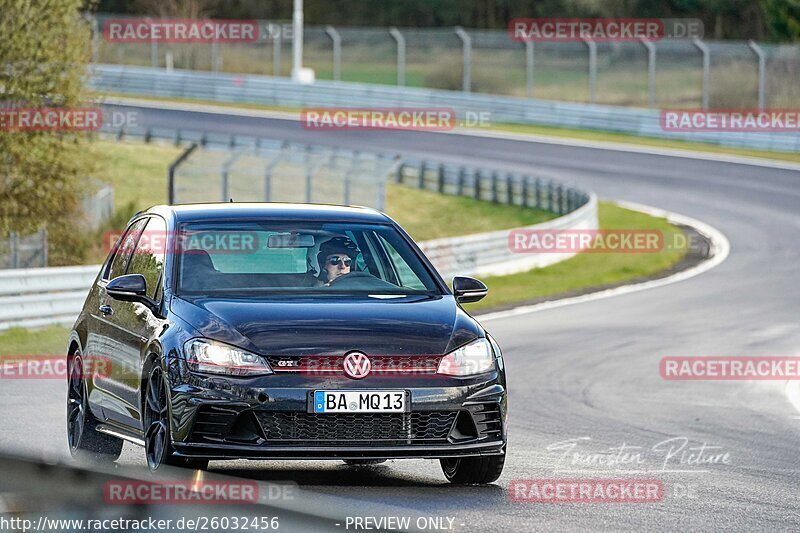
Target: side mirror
[
  {"x": 129, "y": 288},
  {"x": 468, "y": 290}
]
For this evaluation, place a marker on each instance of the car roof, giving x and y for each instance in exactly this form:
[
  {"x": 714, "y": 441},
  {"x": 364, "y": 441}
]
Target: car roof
[{"x": 270, "y": 210}]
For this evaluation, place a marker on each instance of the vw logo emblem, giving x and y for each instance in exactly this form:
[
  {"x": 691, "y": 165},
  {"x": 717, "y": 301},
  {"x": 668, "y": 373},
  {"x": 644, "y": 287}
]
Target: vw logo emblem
[{"x": 357, "y": 365}]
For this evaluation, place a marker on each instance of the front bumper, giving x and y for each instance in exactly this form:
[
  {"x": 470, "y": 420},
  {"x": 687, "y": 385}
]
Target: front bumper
[{"x": 268, "y": 418}]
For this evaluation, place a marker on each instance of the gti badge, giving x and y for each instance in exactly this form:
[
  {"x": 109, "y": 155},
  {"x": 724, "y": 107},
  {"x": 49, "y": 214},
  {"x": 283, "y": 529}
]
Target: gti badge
[{"x": 357, "y": 365}]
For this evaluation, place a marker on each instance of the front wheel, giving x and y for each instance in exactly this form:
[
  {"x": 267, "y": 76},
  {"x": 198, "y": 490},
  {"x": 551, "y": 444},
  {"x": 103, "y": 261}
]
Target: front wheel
[
  {"x": 85, "y": 442},
  {"x": 473, "y": 470},
  {"x": 157, "y": 440}
]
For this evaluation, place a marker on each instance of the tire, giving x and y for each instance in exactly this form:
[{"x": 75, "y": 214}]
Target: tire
[
  {"x": 157, "y": 439},
  {"x": 473, "y": 470},
  {"x": 83, "y": 439},
  {"x": 363, "y": 462}
]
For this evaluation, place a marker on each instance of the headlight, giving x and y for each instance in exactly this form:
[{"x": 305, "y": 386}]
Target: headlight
[
  {"x": 213, "y": 357},
  {"x": 473, "y": 358}
]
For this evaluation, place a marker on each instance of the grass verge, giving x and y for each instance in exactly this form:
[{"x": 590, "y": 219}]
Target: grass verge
[
  {"x": 579, "y": 273},
  {"x": 588, "y": 269}
]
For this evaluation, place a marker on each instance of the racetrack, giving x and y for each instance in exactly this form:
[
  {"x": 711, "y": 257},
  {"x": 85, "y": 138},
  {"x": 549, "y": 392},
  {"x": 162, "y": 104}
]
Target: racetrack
[{"x": 586, "y": 370}]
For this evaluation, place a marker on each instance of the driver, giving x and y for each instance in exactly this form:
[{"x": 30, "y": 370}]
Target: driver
[{"x": 335, "y": 259}]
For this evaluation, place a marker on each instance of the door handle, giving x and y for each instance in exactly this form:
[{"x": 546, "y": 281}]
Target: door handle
[{"x": 106, "y": 310}]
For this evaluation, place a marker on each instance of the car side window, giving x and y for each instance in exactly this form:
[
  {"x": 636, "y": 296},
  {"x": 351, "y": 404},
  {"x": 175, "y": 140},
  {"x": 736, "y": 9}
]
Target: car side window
[
  {"x": 124, "y": 251},
  {"x": 148, "y": 259},
  {"x": 407, "y": 276}
]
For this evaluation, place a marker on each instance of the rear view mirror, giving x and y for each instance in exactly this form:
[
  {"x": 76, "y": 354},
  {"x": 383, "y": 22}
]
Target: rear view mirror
[
  {"x": 290, "y": 240},
  {"x": 468, "y": 290}
]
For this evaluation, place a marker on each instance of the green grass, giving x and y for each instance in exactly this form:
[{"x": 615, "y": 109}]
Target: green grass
[
  {"x": 581, "y": 272},
  {"x": 588, "y": 269},
  {"x": 570, "y": 133},
  {"x": 415, "y": 210},
  {"x": 51, "y": 340},
  {"x": 137, "y": 171}
]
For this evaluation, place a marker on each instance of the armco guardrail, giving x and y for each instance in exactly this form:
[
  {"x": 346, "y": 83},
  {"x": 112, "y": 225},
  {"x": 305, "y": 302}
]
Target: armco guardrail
[
  {"x": 40, "y": 296},
  {"x": 267, "y": 90},
  {"x": 489, "y": 254},
  {"x": 32, "y": 297}
]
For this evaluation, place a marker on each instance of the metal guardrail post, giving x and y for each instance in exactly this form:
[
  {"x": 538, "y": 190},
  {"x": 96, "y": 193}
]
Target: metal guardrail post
[
  {"x": 525, "y": 190},
  {"x": 398, "y": 178},
  {"x": 700, "y": 45},
  {"x": 297, "y": 38},
  {"x": 337, "y": 52},
  {"x": 421, "y": 177},
  {"x": 529, "y": 55},
  {"x": 509, "y": 189},
  {"x": 460, "y": 186},
  {"x": 401, "y": 55},
  {"x": 153, "y": 47},
  {"x": 45, "y": 247},
  {"x": 651, "y": 72},
  {"x": 550, "y": 196},
  {"x": 226, "y": 167},
  {"x": 270, "y": 167},
  {"x": 13, "y": 253},
  {"x": 537, "y": 193},
  {"x": 495, "y": 199},
  {"x": 478, "y": 184},
  {"x": 592, "y": 69},
  {"x": 215, "y": 56},
  {"x": 171, "y": 173},
  {"x": 440, "y": 179},
  {"x": 95, "y": 38},
  {"x": 762, "y": 61},
  {"x": 466, "y": 45},
  {"x": 276, "y": 54}
]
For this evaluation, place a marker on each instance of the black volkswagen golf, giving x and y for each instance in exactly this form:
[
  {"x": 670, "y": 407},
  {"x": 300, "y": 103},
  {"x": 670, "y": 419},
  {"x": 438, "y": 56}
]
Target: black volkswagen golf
[{"x": 283, "y": 331}]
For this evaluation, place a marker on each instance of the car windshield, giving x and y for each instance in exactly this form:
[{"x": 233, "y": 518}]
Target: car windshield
[{"x": 257, "y": 257}]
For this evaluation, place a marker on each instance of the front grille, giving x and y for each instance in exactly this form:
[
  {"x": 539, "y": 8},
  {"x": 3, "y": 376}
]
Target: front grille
[
  {"x": 409, "y": 364},
  {"x": 425, "y": 427}
]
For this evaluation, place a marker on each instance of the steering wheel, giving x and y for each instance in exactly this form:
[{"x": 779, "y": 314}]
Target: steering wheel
[{"x": 360, "y": 274}]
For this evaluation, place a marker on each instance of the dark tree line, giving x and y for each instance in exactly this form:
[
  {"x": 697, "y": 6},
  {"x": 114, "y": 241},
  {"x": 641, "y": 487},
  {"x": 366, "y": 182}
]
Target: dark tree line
[{"x": 777, "y": 20}]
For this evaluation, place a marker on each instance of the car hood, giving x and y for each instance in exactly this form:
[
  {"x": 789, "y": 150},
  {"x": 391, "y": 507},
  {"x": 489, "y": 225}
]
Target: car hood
[{"x": 412, "y": 325}]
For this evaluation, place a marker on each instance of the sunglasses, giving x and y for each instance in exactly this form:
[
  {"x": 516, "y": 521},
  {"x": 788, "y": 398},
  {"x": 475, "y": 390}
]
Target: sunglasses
[{"x": 336, "y": 261}]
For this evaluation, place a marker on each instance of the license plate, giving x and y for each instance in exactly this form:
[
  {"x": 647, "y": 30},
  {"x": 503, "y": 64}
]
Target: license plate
[{"x": 363, "y": 401}]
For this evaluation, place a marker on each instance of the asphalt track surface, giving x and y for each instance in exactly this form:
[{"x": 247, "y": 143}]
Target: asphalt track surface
[{"x": 589, "y": 370}]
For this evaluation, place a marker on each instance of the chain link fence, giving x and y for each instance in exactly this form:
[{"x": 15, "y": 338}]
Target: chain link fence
[
  {"x": 275, "y": 171},
  {"x": 667, "y": 73}
]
